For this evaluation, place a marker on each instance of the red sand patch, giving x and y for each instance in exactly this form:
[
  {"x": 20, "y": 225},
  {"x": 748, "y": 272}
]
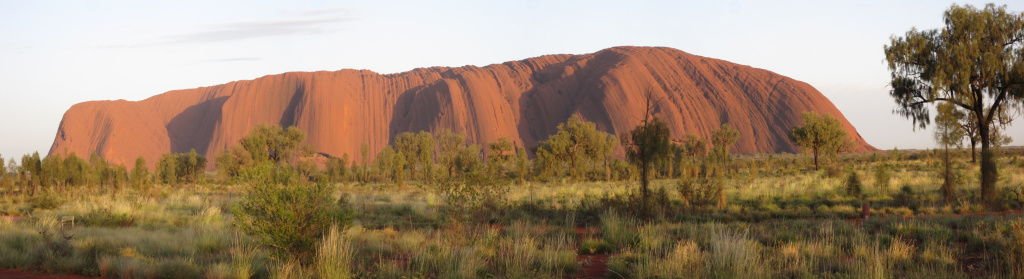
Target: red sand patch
[
  {"x": 12, "y": 217},
  {"x": 858, "y": 221},
  {"x": 594, "y": 266},
  {"x": 22, "y": 274}
]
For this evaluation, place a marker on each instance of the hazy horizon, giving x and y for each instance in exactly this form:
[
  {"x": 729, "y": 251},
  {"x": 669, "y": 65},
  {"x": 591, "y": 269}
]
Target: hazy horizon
[{"x": 57, "y": 54}]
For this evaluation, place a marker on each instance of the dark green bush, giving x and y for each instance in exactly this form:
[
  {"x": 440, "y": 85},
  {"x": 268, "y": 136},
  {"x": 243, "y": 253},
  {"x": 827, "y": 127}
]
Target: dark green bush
[
  {"x": 1009, "y": 198},
  {"x": 473, "y": 194},
  {"x": 907, "y": 197},
  {"x": 702, "y": 191},
  {"x": 883, "y": 174},
  {"x": 45, "y": 201},
  {"x": 289, "y": 218},
  {"x": 854, "y": 187},
  {"x": 594, "y": 246},
  {"x": 105, "y": 218}
]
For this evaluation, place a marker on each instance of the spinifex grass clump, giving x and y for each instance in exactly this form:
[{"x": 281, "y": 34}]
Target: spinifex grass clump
[{"x": 619, "y": 231}]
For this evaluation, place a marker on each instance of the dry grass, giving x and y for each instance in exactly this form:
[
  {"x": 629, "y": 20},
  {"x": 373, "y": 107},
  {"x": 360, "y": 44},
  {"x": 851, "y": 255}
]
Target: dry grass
[{"x": 776, "y": 225}]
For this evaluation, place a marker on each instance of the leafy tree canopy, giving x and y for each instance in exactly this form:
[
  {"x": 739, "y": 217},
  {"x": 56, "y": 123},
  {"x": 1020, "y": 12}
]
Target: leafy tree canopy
[
  {"x": 975, "y": 62},
  {"x": 820, "y": 135}
]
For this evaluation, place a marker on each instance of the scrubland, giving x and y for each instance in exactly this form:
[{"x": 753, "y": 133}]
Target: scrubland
[{"x": 781, "y": 219}]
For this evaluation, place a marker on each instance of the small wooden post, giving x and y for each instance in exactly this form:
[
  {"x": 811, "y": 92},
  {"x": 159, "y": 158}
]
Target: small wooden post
[{"x": 865, "y": 211}]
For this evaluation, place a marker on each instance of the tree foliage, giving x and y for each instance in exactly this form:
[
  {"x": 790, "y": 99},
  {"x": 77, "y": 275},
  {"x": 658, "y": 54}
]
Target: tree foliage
[
  {"x": 231, "y": 161},
  {"x": 140, "y": 173},
  {"x": 338, "y": 169},
  {"x": 722, "y": 139},
  {"x": 500, "y": 155},
  {"x": 265, "y": 143},
  {"x": 448, "y": 146},
  {"x": 821, "y": 135},
  {"x": 174, "y": 168},
  {"x": 645, "y": 145},
  {"x": 364, "y": 170},
  {"x": 694, "y": 146},
  {"x": 391, "y": 165},
  {"x": 975, "y": 62},
  {"x": 468, "y": 160},
  {"x": 289, "y": 217},
  {"x": 577, "y": 147},
  {"x": 273, "y": 143},
  {"x": 522, "y": 165},
  {"x": 948, "y": 132},
  {"x": 418, "y": 150}
]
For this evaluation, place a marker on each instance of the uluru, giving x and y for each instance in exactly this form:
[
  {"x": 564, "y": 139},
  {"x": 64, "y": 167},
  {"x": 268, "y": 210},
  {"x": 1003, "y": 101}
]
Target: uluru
[{"x": 522, "y": 100}]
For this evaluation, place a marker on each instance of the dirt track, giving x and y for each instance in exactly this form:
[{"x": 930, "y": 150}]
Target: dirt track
[{"x": 21, "y": 274}]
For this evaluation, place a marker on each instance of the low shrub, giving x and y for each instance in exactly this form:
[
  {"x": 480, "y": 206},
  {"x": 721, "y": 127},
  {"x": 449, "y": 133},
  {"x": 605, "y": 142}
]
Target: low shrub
[
  {"x": 289, "y": 218},
  {"x": 883, "y": 174},
  {"x": 907, "y": 197},
  {"x": 45, "y": 200},
  {"x": 701, "y": 192},
  {"x": 854, "y": 187},
  {"x": 594, "y": 246},
  {"x": 1009, "y": 198},
  {"x": 106, "y": 218}
]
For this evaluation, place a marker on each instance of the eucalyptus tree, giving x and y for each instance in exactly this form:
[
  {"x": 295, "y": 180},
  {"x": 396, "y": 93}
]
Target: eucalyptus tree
[
  {"x": 975, "y": 62},
  {"x": 820, "y": 135},
  {"x": 499, "y": 155},
  {"x": 646, "y": 144},
  {"x": 722, "y": 139},
  {"x": 418, "y": 150},
  {"x": 577, "y": 143}
]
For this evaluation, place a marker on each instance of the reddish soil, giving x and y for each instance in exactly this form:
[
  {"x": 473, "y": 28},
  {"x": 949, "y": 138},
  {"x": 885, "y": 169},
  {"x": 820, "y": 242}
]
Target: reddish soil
[
  {"x": 583, "y": 232},
  {"x": 521, "y": 100},
  {"x": 858, "y": 221},
  {"x": 594, "y": 266},
  {"x": 22, "y": 274},
  {"x": 12, "y": 217}
]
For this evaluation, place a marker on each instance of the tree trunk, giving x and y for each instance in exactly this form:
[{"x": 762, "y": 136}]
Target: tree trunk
[
  {"x": 671, "y": 167},
  {"x": 947, "y": 183},
  {"x": 974, "y": 152},
  {"x": 816, "y": 160},
  {"x": 989, "y": 173},
  {"x": 607, "y": 171}
]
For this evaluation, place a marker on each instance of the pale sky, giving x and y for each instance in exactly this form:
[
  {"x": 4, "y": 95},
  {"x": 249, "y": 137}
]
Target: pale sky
[{"x": 54, "y": 54}]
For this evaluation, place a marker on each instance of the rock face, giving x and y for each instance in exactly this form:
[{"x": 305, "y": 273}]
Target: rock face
[{"x": 522, "y": 100}]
